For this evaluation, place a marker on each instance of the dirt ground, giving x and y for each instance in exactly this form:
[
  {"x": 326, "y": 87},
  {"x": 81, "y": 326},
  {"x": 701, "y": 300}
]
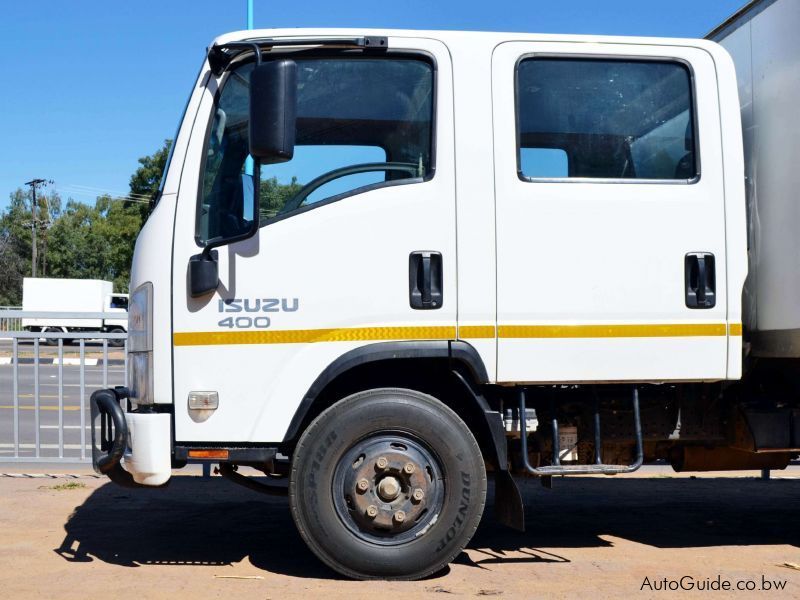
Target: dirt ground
[{"x": 586, "y": 538}]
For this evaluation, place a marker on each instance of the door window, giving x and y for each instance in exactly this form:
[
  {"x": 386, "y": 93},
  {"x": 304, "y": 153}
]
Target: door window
[
  {"x": 361, "y": 123},
  {"x": 605, "y": 119}
]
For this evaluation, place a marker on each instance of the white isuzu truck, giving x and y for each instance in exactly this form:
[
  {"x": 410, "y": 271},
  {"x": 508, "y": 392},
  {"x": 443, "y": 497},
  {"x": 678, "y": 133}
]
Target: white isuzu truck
[
  {"x": 54, "y": 295},
  {"x": 455, "y": 254}
]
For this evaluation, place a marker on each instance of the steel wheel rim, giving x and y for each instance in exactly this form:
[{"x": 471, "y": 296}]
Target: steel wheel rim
[{"x": 388, "y": 488}]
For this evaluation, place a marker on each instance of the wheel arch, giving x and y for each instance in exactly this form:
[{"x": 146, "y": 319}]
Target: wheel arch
[{"x": 451, "y": 371}]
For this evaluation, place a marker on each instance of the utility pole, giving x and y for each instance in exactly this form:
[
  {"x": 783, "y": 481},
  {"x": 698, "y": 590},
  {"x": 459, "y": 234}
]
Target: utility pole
[{"x": 34, "y": 183}]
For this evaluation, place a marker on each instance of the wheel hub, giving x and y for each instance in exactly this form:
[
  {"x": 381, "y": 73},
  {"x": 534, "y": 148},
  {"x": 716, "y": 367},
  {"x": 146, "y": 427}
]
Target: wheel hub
[{"x": 388, "y": 489}]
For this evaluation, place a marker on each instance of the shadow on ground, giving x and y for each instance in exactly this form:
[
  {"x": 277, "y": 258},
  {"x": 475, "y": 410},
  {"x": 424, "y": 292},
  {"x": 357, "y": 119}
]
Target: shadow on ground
[{"x": 212, "y": 521}]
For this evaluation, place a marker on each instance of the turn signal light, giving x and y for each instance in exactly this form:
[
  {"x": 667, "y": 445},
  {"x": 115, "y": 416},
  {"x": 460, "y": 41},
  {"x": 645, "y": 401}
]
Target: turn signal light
[{"x": 209, "y": 453}]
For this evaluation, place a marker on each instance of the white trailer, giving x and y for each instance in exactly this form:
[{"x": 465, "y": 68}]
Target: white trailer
[
  {"x": 447, "y": 238},
  {"x": 51, "y": 295}
]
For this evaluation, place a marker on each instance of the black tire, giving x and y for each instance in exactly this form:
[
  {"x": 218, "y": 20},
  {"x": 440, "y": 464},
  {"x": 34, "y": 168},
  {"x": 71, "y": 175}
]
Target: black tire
[
  {"x": 116, "y": 343},
  {"x": 401, "y": 425},
  {"x": 49, "y": 340}
]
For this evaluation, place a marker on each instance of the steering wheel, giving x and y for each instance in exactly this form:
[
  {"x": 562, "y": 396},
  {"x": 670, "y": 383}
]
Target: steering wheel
[{"x": 309, "y": 188}]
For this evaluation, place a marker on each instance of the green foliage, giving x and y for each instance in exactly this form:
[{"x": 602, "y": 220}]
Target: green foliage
[
  {"x": 15, "y": 241},
  {"x": 95, "y": 242},
  {"x": 273, "y": 195},
  {"x": 147, "y": 178}
]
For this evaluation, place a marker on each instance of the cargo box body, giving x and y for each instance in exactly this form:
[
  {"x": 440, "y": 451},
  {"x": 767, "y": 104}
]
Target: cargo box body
[
  {"x": 763, "y": 40},
  {"x": 69, "y": 296}
]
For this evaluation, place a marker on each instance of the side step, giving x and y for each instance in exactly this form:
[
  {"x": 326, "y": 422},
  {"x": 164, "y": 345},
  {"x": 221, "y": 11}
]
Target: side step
[{"x": 598, "y": 468}]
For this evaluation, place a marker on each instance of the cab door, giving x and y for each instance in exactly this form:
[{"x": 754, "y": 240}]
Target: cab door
[
  {"x": 610, "y": 213},
  {"x": 366, "y": 202}
]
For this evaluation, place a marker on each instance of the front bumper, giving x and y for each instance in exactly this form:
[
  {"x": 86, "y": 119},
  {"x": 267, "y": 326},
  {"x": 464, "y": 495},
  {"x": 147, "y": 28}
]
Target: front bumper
[{"x": 135, "y": 447}]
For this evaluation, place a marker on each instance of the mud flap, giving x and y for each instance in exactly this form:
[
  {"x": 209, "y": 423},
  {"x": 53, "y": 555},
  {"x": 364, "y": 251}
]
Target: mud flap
[{"x": 508, "y": 507}]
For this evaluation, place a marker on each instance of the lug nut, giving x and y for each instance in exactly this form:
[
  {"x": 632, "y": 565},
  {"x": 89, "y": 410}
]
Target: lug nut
[
  {"x": 381, "y": 463},
  {"x": 399, "y": 516},
  {"x": 362, "y": 486},
  {"x": 372, "y": 511},
  {"x": 418, "y": 495},
  {"x": 409, "y": 468}
]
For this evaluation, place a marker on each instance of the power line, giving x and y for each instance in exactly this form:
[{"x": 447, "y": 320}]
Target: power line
[
  {"x": 70, "y": 192},
  {"x": 105, "y": 191},
  {"x": 74, "y": 189}
]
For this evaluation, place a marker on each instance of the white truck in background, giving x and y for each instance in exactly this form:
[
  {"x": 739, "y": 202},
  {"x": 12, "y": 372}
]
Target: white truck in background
[
  {"x": 473, "y": 227},
  {"x": 44, "y": 294}
]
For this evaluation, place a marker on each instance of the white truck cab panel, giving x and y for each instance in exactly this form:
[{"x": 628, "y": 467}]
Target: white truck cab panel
[{"x": 550, "y": 280}]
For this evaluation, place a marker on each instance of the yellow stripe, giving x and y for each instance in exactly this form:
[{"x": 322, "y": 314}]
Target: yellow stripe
[
  {"x": 308, "y": 336},
  {"x": 474, "y": 332},
  {"x": 365, "y": 334},
  {"x": 613, "y": 331}
]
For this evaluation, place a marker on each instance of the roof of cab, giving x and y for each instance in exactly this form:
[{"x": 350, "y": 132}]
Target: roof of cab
[{"x": 488, "y": 38}]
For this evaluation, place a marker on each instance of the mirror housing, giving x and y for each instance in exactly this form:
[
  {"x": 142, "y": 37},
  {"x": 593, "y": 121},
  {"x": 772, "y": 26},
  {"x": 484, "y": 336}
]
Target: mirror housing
[
  {"x": 273, "y": 110},
  {"x": 203, "y": 273}
]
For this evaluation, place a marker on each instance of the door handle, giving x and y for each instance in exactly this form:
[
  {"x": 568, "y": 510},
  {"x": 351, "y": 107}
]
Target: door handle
[
  {"x": 425, "y": 280},
  {"x": 701, "y": 280}
]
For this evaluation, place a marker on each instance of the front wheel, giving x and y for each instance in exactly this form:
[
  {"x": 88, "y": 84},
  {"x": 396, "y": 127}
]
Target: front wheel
[
  {"x": 387, "y": 484},
  {"x": 118, "y": 342},
  {"x": 51, "y": 341}
]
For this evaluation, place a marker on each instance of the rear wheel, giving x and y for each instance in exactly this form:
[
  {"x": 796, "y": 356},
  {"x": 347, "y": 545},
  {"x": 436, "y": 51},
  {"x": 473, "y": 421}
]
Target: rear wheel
[{"x": 388, "y": 483}]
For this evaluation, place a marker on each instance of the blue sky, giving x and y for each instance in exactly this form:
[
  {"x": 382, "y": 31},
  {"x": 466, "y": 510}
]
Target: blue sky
[{"x": 89, "y": 86}]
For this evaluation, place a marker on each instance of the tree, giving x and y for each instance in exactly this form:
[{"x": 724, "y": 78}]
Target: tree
[
  {"x": 147, "y": 178},
  {"x": 273, "y": 195},
  {"x": 15, "y": 248}
]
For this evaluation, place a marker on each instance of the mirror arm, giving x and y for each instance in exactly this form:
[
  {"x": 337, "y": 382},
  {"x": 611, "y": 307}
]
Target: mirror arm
[
  {"x": 211, "y": 244},
  {"x": 218, "y": 59}
]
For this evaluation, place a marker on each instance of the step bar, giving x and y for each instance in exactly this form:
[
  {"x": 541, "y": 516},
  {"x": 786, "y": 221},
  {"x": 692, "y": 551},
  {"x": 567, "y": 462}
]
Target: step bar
[{"x": 598, "y": 468}]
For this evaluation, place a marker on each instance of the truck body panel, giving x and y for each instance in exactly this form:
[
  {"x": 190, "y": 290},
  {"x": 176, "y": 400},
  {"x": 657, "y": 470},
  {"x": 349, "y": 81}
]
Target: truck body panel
[{"x": 762, "y": 39}]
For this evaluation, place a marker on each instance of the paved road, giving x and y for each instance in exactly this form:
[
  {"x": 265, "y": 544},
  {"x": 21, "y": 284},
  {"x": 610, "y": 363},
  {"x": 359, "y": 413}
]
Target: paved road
[{"x": 50, "y": 411}]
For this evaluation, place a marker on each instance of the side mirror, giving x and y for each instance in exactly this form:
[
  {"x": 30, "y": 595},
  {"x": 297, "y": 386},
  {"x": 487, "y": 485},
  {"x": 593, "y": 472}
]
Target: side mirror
[
  {"x": 203, "y": 273},
  {"x": 273, "y": 110}
]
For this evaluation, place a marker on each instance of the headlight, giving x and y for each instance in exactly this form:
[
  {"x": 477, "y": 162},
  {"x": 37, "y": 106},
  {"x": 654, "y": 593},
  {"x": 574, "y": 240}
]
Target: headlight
[
  {"x": 140, "y": 345},
  {"x": 140, "y": 377},
  {"x": 140, "y": 319}
]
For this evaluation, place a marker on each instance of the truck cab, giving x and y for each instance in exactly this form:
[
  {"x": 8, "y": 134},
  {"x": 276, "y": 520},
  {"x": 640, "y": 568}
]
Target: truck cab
[{"x": 379, "y": 258}]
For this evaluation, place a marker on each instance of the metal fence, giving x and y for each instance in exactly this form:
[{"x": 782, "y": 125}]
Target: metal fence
[
  {"x": 45, "y": 389},
  {"x": 10, "y": 323}
]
